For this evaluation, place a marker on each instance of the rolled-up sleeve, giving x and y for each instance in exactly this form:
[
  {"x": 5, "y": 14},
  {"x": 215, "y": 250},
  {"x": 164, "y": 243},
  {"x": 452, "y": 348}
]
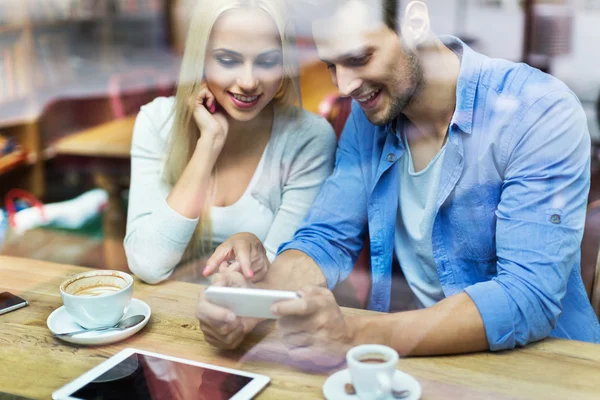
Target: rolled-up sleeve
[
  {"x": 540, "y": 220},
  {"x": 333, "y": 232}
]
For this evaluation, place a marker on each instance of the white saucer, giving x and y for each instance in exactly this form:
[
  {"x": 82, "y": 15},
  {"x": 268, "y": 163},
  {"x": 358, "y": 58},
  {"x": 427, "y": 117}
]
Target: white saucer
[
  {"x": 60, "y": 321},
  {"x": 334, "y": 387}
]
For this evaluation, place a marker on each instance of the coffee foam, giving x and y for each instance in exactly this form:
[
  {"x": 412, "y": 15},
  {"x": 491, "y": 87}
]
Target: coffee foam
[
  {"x": 95, "y": 285},
  {"x": 372, "y": 358},
  {"x": 97, "y": 290}
]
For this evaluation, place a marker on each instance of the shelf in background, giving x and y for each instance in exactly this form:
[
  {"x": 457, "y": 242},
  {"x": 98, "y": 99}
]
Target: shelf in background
[{"x": 89, "y": 80}]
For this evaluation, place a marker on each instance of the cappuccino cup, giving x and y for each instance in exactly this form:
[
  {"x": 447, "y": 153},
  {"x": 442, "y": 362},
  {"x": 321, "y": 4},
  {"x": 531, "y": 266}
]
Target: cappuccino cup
[
  {"x": 97, "y": 299},
  {"x": 372, "y": 368}
]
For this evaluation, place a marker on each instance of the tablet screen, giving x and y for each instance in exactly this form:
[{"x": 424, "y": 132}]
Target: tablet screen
[{"x": 144, "y": 377}]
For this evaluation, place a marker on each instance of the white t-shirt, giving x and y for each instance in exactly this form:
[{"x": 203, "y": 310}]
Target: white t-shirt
[
  {"x": 296, "y": 161},
  {"x": 414, "y": 226}
]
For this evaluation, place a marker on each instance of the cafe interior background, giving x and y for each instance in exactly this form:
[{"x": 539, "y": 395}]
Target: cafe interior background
[{"x": 73, "y": 74}]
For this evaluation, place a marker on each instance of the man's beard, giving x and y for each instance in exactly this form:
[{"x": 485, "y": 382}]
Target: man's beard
[{"x": 399, "y": 103}]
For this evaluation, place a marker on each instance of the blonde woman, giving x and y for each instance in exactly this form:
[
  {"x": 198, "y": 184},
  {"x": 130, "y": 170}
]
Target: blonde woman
[{"x": 232, "y": 152}]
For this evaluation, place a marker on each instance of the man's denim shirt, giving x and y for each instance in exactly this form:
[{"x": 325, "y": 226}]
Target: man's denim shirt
[{"x": 511, "y": 203}]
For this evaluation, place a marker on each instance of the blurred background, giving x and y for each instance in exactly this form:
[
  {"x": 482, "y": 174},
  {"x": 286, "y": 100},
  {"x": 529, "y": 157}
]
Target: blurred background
[{"x": 73, "y": 74}]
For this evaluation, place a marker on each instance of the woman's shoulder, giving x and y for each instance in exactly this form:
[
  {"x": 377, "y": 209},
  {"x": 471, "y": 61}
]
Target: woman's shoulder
[
  {"x": 158, "y": 115},
  {"x": 315, "y": 122},
  {"x": 306, "y": 126},
  {"x": 160, "y": 108}
]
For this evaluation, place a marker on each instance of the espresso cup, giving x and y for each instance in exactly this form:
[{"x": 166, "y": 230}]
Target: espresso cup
[
  {"x": 97, "y": 299},
  {"x": 372, "y": 368}
]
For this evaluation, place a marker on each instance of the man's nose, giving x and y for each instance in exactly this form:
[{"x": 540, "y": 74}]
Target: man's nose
[{"x": 346, "y": 81}]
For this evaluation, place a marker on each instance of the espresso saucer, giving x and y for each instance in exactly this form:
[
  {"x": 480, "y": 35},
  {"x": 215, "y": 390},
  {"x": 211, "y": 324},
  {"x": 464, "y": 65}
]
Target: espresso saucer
[
  {"x": 60, "y": 321},
  {"x": 334, "y": 387}
]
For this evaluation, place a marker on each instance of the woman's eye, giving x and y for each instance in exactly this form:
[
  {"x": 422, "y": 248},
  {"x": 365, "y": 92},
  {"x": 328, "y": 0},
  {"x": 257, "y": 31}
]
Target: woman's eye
[
  {"x": 270, "y": 63},
  {"x": 227, "y": 62}
]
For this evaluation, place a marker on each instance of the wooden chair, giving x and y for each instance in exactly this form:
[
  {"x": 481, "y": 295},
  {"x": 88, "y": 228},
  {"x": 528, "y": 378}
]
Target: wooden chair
[
  {"x": 590, "y": 255},
  {"x": 595, "y": 295}
]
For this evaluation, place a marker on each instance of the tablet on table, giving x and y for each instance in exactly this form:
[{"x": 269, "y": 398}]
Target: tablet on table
[{"x": 141, "y": 375}]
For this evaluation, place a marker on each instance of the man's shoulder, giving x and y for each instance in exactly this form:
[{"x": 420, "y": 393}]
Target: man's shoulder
[{"x": 520, "y": 82}]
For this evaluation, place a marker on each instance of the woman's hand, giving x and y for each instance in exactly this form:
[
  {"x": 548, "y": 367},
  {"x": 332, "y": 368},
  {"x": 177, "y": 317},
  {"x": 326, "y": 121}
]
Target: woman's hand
[
  {"x": 242, "y": 252},
  {"x": 211, "y": 122}
]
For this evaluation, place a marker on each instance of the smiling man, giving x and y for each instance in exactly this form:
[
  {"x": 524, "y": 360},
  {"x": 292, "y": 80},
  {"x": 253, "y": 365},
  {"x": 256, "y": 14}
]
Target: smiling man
[{"x": 472, "y": 171}]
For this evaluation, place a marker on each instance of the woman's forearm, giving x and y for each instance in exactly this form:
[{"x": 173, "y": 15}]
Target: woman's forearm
[{"x": 189, "y": 193}]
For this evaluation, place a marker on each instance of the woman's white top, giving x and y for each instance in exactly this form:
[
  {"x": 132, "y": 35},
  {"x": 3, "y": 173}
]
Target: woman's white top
[
  {"x": 247, "y": 214},
  {"x": 295, "y": 163}
]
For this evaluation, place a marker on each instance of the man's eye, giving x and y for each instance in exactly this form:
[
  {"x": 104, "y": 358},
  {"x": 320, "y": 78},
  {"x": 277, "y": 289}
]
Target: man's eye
[
  {"x": 227, "y": 62},
  {"x": 358, "y": 61}
]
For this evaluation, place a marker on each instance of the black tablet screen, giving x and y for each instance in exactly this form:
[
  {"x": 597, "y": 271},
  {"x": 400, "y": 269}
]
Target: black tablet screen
[{"x": 142, "y": 377}]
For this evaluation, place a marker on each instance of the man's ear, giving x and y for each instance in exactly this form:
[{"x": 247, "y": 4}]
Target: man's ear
[{"x": 416, "y": 25}]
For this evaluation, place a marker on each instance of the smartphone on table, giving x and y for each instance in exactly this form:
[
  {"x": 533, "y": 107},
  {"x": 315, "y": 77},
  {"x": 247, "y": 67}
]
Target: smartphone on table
[{"x": 9, "y": 302}]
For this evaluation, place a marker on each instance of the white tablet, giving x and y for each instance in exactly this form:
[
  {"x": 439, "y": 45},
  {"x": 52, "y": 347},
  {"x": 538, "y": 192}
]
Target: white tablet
[{"x": 141, "y": 375}]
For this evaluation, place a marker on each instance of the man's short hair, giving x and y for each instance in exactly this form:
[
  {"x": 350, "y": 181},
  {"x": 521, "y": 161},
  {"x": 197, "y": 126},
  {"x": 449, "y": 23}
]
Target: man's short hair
[{"x": 306, "y": 11}]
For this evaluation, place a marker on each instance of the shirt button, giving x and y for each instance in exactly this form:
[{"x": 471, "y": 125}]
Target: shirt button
[
  {"x": 391, "y": 157},
  {"x": 555, "y": 219}
]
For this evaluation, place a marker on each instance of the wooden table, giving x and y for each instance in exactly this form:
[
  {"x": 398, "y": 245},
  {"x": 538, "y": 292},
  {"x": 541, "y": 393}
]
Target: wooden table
[
  {"x": 34, "y": 364},
  {"x": 111, "y": 139}
]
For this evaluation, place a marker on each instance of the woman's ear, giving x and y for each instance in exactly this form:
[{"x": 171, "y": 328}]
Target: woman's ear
[{"x": 416, "y": 26}]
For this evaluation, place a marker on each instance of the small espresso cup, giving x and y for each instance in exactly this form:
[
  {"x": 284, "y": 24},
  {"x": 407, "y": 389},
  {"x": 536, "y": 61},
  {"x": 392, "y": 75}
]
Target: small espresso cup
[
  {"x": 97, "y": 299},
  {"x": 372, "y": 368}
]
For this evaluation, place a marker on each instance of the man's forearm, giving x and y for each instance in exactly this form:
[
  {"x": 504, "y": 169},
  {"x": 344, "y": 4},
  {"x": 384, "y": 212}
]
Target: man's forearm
[
  {"x": 452, "y": 326},
  {"x": 293, "y": 270}
]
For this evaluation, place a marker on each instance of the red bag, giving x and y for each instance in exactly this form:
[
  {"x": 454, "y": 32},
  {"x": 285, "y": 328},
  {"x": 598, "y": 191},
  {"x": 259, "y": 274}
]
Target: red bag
[{"x": 20, "y": 194}]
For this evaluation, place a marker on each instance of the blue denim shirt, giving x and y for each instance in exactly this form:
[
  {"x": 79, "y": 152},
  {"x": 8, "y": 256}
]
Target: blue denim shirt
[{"x": 511, "y": 203}]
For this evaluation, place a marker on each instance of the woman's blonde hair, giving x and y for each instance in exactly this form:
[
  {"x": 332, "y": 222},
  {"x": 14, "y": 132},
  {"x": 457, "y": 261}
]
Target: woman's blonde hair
[{"x": 185, "y": 133}]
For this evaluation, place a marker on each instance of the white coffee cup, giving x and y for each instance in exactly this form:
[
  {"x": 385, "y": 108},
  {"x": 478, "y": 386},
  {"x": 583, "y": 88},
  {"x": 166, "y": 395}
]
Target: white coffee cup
[
  {"x": 97, "y": 299},
  {"x": 372, "y": 368}
]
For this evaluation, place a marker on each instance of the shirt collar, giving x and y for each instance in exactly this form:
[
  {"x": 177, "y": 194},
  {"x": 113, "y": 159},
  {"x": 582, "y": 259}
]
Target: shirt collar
[
  {"x": 466, "y": 88},
  {"x": 468, "y": 79}
]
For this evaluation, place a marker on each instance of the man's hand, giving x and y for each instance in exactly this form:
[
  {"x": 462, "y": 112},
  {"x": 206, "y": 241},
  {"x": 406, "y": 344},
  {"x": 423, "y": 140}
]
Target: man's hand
[
  {"x": 221, "y": 327},
  {"x": 242, "y": 252},
  {"x": 314, "y": 328}
]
